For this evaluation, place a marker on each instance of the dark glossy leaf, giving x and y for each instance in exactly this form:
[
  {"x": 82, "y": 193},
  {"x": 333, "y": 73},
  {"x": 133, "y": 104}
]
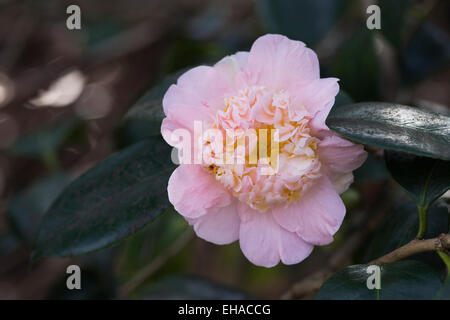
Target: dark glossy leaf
[
  {"x": 307, "y": 20},
  {"x": 424, "y": 179},
  {"x": 98, "y": 280},
  {"x": 394, "y": 127},
  {"x": 110, "y": 202},
  {"x": 347, "y": 284},
  {"x": 401, "y": 227},
  {"x": 93, "y": 286},
  {"x": 427, "y": 51},
  {"x": 373, "y": 169},
  {"x": 191, "y": 288},
  {"x": 144, "y": 118},
  {"x": 26, "y": 209},
  {"x": 150, "y": 104},
  {"x": 444, "y": 292},
  {"x": 431, "y": 106},
  {"x": 357, "y": 67},
  {"x": 134, "y": 130},
  {"x": 410, "y": 280}
]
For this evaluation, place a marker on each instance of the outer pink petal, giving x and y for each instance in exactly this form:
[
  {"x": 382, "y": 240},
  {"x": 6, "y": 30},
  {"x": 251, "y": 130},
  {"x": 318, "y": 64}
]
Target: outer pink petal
[
  {"x": 293, "y": 249},
  {"x": 265, "y": 243},
  {"x": 231, "y": 68},
  {"x": 316, "y": 216},
  {"x": 201, "y": 87},
  {"x": 318, "y": 98},
  {"x": 193, "y": 192},
  {"x": 168, "y": 127},
  {"x": 342, "y": 182},
  {"x": 197, "y": 96},
  {"x": 219, "y": 225},
  {"x": 278, "y": 62},
  {"x": 183, "y": 118},
  {"x": 339, "y": 158}
]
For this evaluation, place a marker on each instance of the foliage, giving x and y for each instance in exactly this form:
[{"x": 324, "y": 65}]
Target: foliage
[{"x": 116, "y": 216}]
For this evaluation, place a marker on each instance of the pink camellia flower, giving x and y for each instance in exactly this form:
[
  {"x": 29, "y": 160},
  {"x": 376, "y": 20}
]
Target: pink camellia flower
[{"x": 279, "y": 216}]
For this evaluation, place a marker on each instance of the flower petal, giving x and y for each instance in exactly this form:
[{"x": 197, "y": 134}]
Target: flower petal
[
  {"x": 339, "y": 158},
  {"x": 265, "y": 243},
  {"x": 231, "y": 68},
  {"x": 293, "y": 249},
  {"x": 341, "y": 155},
  {"x": 197, "y": 96},
  {"x": 201, "y": 87},
  {"x": 277, "y": 62},
  {"x": 316, "y": 216},
  {"x": 193, "y": 192},
  {"x": 318, "y": 98},
  {"x": 219, "y": 225},
  {"x": 342, "y": 182}
]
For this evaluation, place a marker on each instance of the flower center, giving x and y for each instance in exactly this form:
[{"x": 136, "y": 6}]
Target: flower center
[{"x": 270, "y": 157}]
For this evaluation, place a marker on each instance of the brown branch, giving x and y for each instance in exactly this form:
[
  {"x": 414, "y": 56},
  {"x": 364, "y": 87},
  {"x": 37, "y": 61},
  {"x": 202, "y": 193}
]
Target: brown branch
[
  {"x": 308, "y": 286},
  {"x": 311, "y": 284},
  {"x": 314, "y": 282},
  {"x": 415, "y": 246}
]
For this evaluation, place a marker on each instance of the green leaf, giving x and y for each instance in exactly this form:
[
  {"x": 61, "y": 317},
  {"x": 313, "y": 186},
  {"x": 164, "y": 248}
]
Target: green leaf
[
  {"x": 306, "y": 20},
  {"x": 138, "y": 128},
  {"x": 110, "y": 202},
  {"x": 444, "y": 292},
  {"x": 26, "y": 209},
  {"x": 401, "y": 227},
  {"x": 394, "y": 127},
  {"x": 424, "y": 179},
  {"x": 94, "y": 283},
  {"x": 144, "y": 118},
  {"x": 191, "y": 288},
  {"x": 97, "y": 279},
  {"x": 373, "y": 169},
  {"x": 410, "y": 280}
]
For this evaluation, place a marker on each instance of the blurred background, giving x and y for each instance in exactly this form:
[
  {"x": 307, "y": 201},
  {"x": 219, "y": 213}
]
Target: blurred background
[{"x": 64, "y": 98}]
